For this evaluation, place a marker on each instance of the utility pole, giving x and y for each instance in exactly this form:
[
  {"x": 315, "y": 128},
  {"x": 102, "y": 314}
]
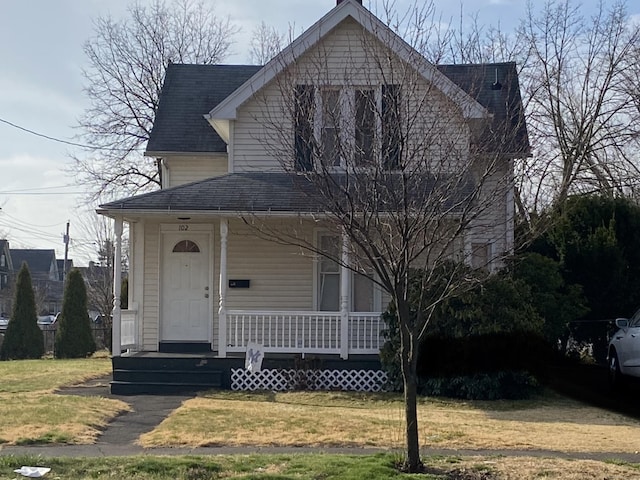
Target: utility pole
[{"x": 65, "y": 240}]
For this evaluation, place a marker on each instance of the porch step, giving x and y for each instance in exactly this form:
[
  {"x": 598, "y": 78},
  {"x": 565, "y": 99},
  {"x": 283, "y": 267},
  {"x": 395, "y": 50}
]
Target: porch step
[
  {"x": 208, "y": 378},
  {"x": 184, "y": 347},
  {"x": 165, "y": 374},
  {"x": 150, "y": 388}
]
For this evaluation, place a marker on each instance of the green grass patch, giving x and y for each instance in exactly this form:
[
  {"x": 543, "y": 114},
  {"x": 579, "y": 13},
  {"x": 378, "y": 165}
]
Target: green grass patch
[
  {"x": 312, "y": 467},
  {"x": 239, "y": 467}
]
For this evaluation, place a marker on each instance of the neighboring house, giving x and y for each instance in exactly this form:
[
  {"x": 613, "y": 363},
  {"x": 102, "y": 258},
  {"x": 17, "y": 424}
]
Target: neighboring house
[
  {"x": 62, "y": 270},
  {"x": 45, "y": 277},
  {"x": 201, "y": 280},
  {"x": 6, "y": 273},
  {"x": 99, "y": 282}
]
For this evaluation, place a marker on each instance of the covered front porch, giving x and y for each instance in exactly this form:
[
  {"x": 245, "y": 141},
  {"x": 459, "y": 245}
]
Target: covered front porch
[{"x": 228, "y": 330}]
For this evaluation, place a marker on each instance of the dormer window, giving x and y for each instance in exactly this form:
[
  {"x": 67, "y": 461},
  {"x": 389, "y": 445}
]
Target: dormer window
[{"x": 347, "y": 127}]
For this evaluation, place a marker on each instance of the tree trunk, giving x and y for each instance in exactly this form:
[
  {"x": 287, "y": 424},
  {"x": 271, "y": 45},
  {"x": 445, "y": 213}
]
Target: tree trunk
[
  {"x": 413, "y": 464},
  {"x": 408, "y": 353}
]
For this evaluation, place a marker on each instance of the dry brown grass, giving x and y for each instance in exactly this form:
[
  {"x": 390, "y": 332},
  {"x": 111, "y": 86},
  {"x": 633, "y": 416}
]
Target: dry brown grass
[
  {"x": 33, "y": 413},
  {"x": 341, "y": 419}
]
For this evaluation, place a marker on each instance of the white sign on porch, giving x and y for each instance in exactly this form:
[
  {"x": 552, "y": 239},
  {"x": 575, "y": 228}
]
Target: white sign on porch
[{"x": 253, "y": 359}]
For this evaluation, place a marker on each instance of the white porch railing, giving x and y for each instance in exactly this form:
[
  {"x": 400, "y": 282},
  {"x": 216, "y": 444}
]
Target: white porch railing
[
  {"x": 303, "y": 332},
  {"x": 129, "y": 328}
]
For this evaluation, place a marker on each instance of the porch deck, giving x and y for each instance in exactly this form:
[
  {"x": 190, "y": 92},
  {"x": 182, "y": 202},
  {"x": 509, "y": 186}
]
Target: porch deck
[{"x": 291, "y": 341}]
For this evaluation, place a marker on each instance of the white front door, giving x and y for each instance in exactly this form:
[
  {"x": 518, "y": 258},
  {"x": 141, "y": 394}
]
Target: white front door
[{"x": 186, "y": 314}]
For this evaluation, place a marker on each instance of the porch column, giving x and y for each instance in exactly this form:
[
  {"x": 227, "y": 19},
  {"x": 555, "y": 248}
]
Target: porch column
[
  {"x": 222, "y": 308},
  {"x": 345, "y": 276},
  {"x": 116, "y": 338}
]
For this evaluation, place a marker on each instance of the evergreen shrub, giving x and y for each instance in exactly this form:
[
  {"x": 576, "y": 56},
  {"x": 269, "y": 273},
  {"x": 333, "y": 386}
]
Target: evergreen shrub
[
  {"x": 23, "y": 338},
  {"x": 74, "y": 338}
]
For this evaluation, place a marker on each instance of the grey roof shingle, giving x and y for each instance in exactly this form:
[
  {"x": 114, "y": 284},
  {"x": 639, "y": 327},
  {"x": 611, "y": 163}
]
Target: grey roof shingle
[
  {"x": 261, "y": 192},
  {"x": 495, "y": 86},
  {"x": 189, "y": 92}
]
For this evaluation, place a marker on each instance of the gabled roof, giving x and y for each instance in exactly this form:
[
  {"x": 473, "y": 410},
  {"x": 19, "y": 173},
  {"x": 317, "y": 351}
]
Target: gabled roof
[
  {"x": 39, "y": 261},
  {"x": 265, "y": 193},
  {"x": 190, "y": 91},
  {"x": 226, "y": 110},
  {"x": 61, "y": 269}
]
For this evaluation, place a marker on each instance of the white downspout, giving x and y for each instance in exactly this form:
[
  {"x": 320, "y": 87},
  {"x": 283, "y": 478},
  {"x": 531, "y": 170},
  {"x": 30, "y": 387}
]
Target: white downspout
[
  {"x": 345, "y": 275},
  {"x": 222, "y": 308}
]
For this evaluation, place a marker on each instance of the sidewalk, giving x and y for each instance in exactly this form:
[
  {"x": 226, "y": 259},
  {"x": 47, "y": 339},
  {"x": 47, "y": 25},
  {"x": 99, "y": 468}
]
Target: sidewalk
[{"x": 148, "y": 411}]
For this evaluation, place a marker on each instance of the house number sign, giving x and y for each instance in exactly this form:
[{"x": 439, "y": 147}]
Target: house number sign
[{"x": 183, "y": 228}]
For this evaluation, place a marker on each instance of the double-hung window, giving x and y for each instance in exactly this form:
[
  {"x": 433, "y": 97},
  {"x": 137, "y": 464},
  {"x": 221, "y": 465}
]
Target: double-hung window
[
  {"x": 365, "y": 294},
  {"x": 347, "y": 126},
  {"x": 330, "y": 127},
  {"x": 328, "y": 274}
]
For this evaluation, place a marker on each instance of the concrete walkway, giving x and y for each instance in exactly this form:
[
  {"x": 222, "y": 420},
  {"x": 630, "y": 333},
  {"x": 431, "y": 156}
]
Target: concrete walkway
[{"x": 148, "y": 411}]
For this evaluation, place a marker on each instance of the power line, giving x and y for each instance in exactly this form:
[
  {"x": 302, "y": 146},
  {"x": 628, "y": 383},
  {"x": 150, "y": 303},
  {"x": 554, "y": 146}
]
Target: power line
[{"x": 59, "y": 140}]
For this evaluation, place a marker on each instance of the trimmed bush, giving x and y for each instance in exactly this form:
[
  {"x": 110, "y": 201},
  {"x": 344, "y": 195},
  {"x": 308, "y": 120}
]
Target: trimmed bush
[
  {"x": 23, "y": 338},
  {"x": 511, "y": 385},
  {"x": 73, "y": 336}
]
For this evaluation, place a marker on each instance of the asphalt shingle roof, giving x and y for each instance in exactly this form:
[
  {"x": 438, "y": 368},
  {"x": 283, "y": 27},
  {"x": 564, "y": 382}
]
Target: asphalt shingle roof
[
  {"x": 262, "y": 192},
  {"x": 495, "y": 86},
  {"x": 39, "y": 261},
  {"x": 188, "y": 93}
]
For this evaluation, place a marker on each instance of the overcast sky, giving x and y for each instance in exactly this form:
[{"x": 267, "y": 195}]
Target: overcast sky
[{"x": 41, "y": 59}]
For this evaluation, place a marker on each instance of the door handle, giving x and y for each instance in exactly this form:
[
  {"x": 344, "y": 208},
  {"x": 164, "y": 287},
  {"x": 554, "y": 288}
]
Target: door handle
[{"x": 206, "y": 295}]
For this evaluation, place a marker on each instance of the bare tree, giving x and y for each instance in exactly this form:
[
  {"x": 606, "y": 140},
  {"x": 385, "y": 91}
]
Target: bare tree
[
  {"x": 98, "y": 275},
  {"x": 397, "y": 175},
  {"x": 581, "y": 113},
  {"x": 127, "y": 61},
  {"x": 266, "y": 43}
]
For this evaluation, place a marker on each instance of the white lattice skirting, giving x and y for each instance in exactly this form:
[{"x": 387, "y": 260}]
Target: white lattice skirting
[{"x": 354, "y": 380}]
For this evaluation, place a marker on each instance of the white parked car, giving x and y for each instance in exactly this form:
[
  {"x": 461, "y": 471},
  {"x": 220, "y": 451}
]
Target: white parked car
[{"x": 624, "y": 349}]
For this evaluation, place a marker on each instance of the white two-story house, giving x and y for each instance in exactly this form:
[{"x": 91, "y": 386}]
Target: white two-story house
[{"x": 237, "y": 143}]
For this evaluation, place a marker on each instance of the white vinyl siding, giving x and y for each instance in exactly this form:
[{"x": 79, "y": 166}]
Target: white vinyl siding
[
  {"x": 263, "y": 133},
  {"x": 151, "y": 287},
  {"x": 281, "y": 276},
  {"x": 181, "y": 169}
]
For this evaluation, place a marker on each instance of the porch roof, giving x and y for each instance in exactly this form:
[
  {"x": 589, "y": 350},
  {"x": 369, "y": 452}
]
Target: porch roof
[{"x": 261, "y": 192}]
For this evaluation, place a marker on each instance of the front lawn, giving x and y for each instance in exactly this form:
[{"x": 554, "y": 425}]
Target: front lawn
[
  {"x": 34, "y": 413},
  {"x": 325, "y": 419}
]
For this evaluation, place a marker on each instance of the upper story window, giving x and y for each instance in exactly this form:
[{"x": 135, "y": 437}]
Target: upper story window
[
  {"x": 3, "y": 260},
  {"x": 348, "y": 127}
]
